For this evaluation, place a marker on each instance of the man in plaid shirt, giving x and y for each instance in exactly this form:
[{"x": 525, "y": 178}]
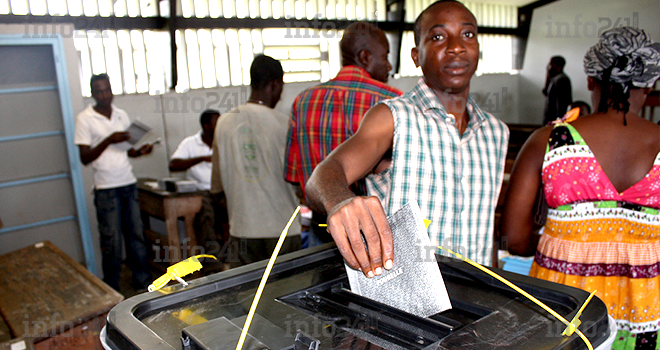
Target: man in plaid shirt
[
  {"x": 446, "y": 153},
  {"x": 328, "y": 114}
]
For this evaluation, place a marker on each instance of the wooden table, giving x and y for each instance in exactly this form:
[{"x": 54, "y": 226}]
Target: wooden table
[
  {"x": 47, "y": 298},
  {"x": 18, "y": 343},
  {"x": 170, "y": 206}
]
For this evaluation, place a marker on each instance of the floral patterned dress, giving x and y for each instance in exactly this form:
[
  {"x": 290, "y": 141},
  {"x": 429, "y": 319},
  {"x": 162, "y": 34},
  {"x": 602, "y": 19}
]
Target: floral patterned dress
[{"x": 596, "y": 238}]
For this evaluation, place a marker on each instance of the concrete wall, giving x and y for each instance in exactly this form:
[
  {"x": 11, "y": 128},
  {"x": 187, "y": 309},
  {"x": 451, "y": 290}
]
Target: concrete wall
[{"x": 568, "y": 28}]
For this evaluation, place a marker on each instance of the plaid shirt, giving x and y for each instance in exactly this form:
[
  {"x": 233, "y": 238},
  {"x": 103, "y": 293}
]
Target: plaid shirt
[
  {"x": 455, "y": 179},
  {"x": 326, "y": 115}
]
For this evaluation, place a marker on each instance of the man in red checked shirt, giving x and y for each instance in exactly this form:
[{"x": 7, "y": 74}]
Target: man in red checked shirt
[{"x": 328, "y": 114}]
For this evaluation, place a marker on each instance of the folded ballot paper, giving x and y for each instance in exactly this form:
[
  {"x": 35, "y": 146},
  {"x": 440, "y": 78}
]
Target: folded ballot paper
[
  {"x": 137, "y": 130},
  {"x": 414, "y": 284}
]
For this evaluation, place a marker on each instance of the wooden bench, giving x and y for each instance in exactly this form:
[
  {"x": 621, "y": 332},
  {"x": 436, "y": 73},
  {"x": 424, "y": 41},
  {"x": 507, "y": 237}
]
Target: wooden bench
[
  {"x": 17, "y": 344},
  {"x": 49, "y": 299}
]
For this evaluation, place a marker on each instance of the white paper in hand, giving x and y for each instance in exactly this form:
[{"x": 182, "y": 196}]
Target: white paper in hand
[
  {"x": 414, "y": 284},
  {"x": 137, "y": 130}
]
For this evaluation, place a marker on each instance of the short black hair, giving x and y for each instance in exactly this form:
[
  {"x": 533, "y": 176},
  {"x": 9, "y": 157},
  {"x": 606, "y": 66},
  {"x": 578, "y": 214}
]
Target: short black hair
[
  {"x": 418, "y": 26},
  {"x": 206, "y": 116},
  {"x": 96, "y": 78},
  {"x": 559, "y": 61},
  {"x": 263, "y": 70},
  {"x": 358, "y": 36}
]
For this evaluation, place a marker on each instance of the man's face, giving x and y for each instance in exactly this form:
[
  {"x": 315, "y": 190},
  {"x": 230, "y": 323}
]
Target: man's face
[
  {"x": 553, "y": 68},
  {"x": 209, "y": 128},
  {"x": 448, "y": 50},
  {"x": 379, "y": 67},
  {"x": 102, "y": 93}
]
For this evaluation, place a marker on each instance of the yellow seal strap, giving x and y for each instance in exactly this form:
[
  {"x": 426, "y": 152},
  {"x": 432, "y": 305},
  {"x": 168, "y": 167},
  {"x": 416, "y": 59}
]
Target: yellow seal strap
[
  {"x": 575, "y": 322},
  {"x": 178, "y": 270},
  {"x": 264, "y": 278},
  {"x": 570, "y": 326}
]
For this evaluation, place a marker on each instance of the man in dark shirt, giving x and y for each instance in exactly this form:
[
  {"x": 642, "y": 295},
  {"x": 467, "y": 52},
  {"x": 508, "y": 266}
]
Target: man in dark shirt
[{"x": 557, "y": 90}]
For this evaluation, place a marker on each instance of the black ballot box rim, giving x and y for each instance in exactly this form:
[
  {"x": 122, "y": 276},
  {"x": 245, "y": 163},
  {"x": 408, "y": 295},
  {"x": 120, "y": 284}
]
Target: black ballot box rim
[{"x": 307, "y": 288}]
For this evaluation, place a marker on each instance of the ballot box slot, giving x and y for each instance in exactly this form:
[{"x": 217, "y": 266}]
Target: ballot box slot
[
  {"x": 432, "y": 323},
  {"x": 357, "y": 316},
  {"x": 335, "y": 303},
  {"x": 461, "y": 313}
]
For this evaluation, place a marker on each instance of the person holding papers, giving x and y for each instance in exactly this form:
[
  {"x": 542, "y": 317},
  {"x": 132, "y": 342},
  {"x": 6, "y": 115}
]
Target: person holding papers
[{"x": 98, "y": 129}]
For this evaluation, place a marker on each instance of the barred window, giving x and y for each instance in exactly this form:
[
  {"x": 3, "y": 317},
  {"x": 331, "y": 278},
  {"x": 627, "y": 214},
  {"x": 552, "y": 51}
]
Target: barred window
[
  {"x": 488, "y": 15},
  {"x": 210, "y": 58},
  {"x": 138, "y": 61},
  {"x": 119, "y": 8},
  {"x": 370, "y": 10}
]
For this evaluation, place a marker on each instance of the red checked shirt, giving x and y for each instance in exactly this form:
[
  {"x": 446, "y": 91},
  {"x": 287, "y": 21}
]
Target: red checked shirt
[{"x": 326, "y": 115}]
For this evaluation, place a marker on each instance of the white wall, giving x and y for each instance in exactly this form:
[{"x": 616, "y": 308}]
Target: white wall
[
  {"x": 498, "y": 94},
  {"x": 578, "y": 22},
  {"x": 70, "y": 245}
]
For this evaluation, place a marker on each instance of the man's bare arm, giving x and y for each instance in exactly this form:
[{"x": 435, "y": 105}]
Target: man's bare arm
[
  {"x": 178, "y": 164},
  {"x": 351, "y": 217},
  {"x": 89, "y": 154}
]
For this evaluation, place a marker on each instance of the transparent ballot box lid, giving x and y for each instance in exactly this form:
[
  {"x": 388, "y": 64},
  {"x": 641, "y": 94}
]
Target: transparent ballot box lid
[{"x": 307, "y": 304}]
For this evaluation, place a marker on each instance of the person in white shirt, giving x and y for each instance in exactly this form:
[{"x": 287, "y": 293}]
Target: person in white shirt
[
  {"x": 99, "y": 129},
  {"x": 194, "y": 153},
  {"x": 194, "y": 157},
  {"x": 248, "y": 163}
]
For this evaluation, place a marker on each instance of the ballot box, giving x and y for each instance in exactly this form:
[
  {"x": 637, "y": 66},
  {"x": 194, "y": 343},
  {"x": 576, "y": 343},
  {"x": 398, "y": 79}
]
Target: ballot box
[
  {"x": 51, "y": 301},
  {"x": 307, "y": 304}
]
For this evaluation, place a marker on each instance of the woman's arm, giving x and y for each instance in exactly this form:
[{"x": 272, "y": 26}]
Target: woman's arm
[{"x": 518, "y": 217}]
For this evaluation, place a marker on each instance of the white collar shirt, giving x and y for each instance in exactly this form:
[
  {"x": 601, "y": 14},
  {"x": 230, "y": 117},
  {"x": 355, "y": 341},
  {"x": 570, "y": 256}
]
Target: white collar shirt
[
  {"x": 112, "y": 168},
  {"x": 193, "y": 147}
]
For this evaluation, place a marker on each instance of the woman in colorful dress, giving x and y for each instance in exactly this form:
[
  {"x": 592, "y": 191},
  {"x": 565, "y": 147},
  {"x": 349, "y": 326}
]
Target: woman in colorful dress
[{"x": 601, "y": 179}]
